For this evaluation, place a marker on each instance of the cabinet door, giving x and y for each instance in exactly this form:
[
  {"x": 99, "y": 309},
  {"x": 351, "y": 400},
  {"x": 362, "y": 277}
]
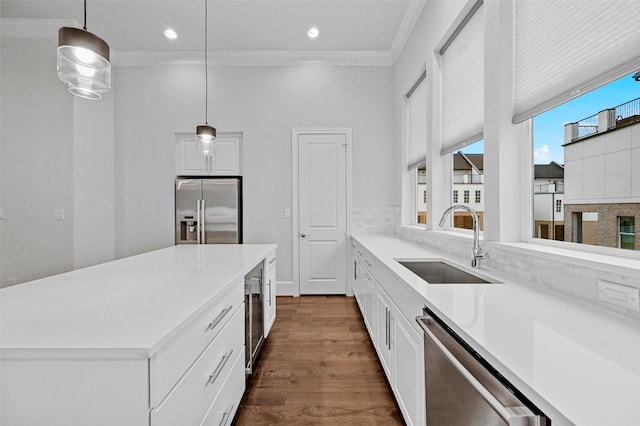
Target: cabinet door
[
  {"x": 383, "y": 333},
  {"x": 409, "y": 371},
  {"x": 189, "y": 159},
  {"x": 357, "y": 284},
  {"x": 226, "y": 155},
  {"x": 369, "y": 298},
  {"x": 269, "y": 304}
]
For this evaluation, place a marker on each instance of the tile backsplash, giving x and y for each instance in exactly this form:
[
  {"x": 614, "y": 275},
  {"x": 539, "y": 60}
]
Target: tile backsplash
[
  {"x": 374, "y": 220},
  {"x": 577, "y": 279}
]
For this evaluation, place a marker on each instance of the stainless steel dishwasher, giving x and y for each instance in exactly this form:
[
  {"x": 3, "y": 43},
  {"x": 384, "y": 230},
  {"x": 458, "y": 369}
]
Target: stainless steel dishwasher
[{"x": 462, "y": 388}]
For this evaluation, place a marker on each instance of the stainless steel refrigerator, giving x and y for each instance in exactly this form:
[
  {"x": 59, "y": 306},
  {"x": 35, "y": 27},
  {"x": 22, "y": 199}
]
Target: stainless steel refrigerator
[{"x": 208, "y": 211}]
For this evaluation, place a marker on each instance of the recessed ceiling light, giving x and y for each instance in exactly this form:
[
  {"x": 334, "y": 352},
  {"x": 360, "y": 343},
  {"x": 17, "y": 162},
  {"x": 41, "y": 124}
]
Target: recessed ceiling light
[
  {"x": 313, "y": 32},
  {"x": 170, "y": 34}
]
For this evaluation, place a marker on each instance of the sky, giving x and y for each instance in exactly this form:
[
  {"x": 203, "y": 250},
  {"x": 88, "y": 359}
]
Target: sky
[{"x": 548, "y": 127}]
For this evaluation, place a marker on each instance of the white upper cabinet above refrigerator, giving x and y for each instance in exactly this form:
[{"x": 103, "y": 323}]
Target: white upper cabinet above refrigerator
[{"x": 226, "y": 159}]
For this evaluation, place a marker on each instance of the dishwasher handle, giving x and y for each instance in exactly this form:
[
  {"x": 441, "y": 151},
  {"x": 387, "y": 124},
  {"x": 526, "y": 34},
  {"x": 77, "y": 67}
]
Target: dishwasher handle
[{"x": 514, "y": 416}]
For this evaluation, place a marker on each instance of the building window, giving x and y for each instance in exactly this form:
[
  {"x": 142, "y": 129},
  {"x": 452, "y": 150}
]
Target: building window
[
  {"x": 627, "y": 232},
  {"x": 558, "y": 206},
  {"x": 478, "y": 197},
  {"x": 455, "y": 196},
  {"x": 466, "y": 196}
]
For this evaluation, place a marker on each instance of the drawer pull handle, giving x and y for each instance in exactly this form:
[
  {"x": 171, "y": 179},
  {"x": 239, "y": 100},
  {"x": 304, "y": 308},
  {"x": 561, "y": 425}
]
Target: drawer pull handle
[
  {"x": 216, "y": 321},
  {"x": 225, "y": 416},
  {"x": 213, "y": 376}
]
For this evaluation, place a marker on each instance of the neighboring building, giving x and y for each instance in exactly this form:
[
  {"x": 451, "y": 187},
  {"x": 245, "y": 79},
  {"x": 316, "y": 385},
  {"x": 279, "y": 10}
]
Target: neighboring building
[
  {"x": 468, "y": 188},
  {"x": 548, "y": 201},
  {"x": 421, "y": 196},
  {"x": 602, "y": 187}
]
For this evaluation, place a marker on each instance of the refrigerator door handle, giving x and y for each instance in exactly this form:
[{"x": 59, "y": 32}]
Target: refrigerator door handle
[
  {"x": 198, "y": 221},
  {"x": 203, "y": 222}
]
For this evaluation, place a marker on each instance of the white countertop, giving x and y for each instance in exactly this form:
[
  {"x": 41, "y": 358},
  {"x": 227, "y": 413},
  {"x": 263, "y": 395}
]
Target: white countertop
[
  {"x": 566, "y": 356},
  {"x": 124, "y": 308}
]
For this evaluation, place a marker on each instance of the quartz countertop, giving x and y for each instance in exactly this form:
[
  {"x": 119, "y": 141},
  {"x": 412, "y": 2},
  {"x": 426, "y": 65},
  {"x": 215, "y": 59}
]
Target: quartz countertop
[
  {"x": 124, "y": 308},
  {"x": 579, "y": 363}
]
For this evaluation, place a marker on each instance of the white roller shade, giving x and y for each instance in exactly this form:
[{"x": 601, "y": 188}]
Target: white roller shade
[
  {"x": 566, "y": 48},
  {"x": 417, "y": 134},
  {"x": 463, "y": 84}
]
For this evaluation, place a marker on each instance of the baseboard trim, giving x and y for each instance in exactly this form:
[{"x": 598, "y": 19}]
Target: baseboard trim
[{"x": 285, "y": 288}]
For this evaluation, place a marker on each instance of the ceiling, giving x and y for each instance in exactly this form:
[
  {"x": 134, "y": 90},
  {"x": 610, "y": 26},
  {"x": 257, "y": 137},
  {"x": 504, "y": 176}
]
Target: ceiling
[{"x": 239, "y": 26}]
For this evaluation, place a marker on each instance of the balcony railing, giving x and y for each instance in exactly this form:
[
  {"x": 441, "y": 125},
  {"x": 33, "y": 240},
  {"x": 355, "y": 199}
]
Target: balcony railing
[
  {"x": 549, "y": 188},
  {"x": 468, "y": 178},
  {"x": 628, "y": 113},
  {"x": 609, "y": 119}
]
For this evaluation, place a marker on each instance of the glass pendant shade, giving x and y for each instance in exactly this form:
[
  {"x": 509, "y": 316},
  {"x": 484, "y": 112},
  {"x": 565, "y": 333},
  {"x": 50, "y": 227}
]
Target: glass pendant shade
[
  {"x": 83, "y": 63},
  {"x": 205, "y": 135}
]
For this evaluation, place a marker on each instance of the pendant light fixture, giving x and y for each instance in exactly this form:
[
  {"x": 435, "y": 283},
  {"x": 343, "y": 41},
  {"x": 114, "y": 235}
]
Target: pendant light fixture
[
  {"x": 83, "y": 61},
  {"x": 205, "y": 134}
]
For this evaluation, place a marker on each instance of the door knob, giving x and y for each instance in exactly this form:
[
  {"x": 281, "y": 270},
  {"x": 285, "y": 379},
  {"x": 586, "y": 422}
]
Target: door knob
[{"x": 303, "y": 235}]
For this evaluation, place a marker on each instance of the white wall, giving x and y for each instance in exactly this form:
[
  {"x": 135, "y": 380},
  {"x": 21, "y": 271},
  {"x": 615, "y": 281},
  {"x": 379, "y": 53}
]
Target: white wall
[
  {"x": 57, "y": 153},
  {"x": 152, "y": 103},
  {"x": 93, "y": 181},
  {"x": 37, "y": 154},
  {"x": 603, "y": 168}
]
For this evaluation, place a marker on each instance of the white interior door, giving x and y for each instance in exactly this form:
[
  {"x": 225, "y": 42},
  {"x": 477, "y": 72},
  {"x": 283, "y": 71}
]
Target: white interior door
[{"x": 322, "y": 211}]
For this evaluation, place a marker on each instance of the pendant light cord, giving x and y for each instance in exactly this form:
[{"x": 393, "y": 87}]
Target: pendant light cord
[
  {"x": 85, "y": 16},
  {"x": 206, "y": 65}
]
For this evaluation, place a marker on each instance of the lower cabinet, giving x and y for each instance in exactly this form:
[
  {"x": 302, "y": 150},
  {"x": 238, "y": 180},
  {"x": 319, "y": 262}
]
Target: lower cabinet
[
  {"x": 197, "y": 390},
  {"x": 269, "y": 295},
  {"x": 397, "y": 342},
  {"x": 384, "y": 333},
  {"x": 409, "y": 371}
]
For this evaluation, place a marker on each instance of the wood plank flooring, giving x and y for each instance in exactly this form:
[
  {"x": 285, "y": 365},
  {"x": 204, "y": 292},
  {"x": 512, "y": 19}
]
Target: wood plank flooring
[{"x": 318, "y": 367}]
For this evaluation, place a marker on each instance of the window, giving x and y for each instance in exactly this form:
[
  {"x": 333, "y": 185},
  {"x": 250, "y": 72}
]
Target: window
[
  {"x": 468, "y": 179},
  {"x": 627, "y": 232},
  {"x": 583, "y": 167},
  {"x": 417, "y": 150}
]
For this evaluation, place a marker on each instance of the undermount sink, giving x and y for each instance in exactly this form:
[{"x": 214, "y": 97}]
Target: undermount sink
[{"x": 441, "y": 272}]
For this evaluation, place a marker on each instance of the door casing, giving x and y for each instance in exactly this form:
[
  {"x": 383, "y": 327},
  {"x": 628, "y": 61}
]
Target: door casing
[{"x": 295, "y": 132}]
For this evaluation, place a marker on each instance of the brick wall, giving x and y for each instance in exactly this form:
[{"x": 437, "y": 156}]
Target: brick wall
[{"x": 604, "y": 232}]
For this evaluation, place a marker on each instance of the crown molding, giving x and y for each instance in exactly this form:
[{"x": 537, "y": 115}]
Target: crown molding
[
  {"x": 34, "y": 28},
  {"x": 406, "y": 26},
  {"x": 252, "y": 58}
]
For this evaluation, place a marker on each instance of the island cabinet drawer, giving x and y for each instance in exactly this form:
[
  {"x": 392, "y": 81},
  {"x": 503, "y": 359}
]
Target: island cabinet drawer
[
  {"x": 177, "y": 355},
  {"x": 189, "y": 400},
  {"x": 226, "y": 404}
]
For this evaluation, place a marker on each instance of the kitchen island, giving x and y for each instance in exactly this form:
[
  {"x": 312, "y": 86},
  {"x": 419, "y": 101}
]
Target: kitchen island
[{"x": 148, "y": 339}]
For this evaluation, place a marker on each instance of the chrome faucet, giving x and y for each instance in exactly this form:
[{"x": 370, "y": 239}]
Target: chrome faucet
[{"x": 478, "y": 252}]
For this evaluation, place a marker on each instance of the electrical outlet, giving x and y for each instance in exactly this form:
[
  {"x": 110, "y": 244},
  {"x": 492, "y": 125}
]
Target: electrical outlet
[
  {"x": 58, "y": 214},
  {"x": 11, "y": 281},
  {"x": 1, "y": 214},
  {"x": 287, "y": 212},
  {"x": 619, "y": 295}
]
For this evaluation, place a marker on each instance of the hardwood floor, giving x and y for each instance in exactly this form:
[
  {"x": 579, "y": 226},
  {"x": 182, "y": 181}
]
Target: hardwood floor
[{"x": 318, "y": 367}]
